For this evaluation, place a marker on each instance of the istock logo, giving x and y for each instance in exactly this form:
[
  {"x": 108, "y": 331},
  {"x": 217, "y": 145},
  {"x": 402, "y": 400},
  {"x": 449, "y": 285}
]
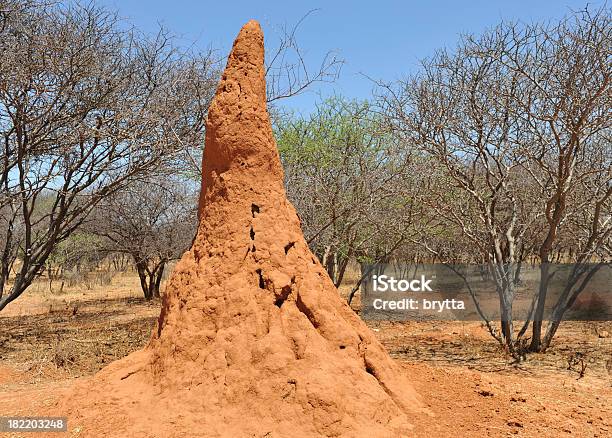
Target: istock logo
[{"x": 384, "y": 283}]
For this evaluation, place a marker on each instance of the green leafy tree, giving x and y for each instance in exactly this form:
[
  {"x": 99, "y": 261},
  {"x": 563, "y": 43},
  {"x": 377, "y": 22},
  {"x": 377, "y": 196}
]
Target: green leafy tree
[{"x": 351, "y": 180}]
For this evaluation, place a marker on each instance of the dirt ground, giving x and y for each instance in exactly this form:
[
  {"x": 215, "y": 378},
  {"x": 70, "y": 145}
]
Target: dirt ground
[{"x": 468, "y": 382}]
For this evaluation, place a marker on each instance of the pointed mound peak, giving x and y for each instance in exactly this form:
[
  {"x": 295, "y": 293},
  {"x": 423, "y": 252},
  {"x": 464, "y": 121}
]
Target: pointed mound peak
[
  {"x": 248, "y": 46},
  {"x": 245, "y": 64},
  {"x": 238, "y": 131}
]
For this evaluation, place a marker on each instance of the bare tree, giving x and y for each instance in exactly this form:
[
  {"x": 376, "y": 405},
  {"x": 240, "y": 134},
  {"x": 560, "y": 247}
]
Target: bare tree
[
  {"x": 287, "y": 71},
  {"x": 566, "y": 73},
  {"x": 85, "y": 107},
  {"x": 74, "y": 259},
  {"x": 519, "y": 115},
  {"x": 459, "y": 114},
  {"x": 153, "y": 221}
]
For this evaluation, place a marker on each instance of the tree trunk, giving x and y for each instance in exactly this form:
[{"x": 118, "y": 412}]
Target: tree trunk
[
  {"x": 19, "y": 286},
  {"x": 564, "y": 303},
  {"x": 536, "y": 335},
  {"x": 342, "y": 269},
  {"x": 141, "y": 268},
  {"x": 155, "y": 280},
  {"x": 364, "y": 273},
  {"x": 507, "y": 327},
  {"x": 150, "y": 279}
]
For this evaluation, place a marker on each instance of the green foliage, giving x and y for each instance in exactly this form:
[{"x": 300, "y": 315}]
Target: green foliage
[
  {"x": 337, "y": 128},
  {"x": 80, "y": 248},
  {"x": 350, "y": 179}
]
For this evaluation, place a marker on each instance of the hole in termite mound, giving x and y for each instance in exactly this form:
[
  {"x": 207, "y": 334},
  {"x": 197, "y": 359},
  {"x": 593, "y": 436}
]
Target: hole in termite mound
[
  {"x": 282, "y": 297},
  {"x": 254, "y": 209},
  {"x": 262, "y": 283},
  {"x": 289, "y": 246}
]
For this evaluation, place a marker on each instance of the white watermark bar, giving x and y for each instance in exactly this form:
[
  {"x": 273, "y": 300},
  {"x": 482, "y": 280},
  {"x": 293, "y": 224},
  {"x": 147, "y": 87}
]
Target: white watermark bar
[
  {"x": 33, "y": 424},
  {"x": 579, "y": 292}
]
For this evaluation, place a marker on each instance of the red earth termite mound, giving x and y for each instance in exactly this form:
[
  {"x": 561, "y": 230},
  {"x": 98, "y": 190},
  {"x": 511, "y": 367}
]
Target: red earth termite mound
[{"x": 253, "y": 339}]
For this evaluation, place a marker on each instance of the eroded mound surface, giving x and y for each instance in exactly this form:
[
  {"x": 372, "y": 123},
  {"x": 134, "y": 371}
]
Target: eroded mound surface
[{"x": 253, "y": 339}]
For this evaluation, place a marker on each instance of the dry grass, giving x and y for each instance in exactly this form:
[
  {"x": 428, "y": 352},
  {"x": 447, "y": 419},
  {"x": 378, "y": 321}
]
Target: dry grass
[{"x": 56, "y": 336}]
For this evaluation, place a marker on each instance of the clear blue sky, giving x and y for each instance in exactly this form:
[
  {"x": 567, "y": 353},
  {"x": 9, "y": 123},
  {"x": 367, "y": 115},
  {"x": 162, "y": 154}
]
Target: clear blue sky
[{"x": 383, "y": 39}]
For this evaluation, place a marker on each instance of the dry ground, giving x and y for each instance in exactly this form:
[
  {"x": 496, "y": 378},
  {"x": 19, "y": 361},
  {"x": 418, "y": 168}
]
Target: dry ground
[{"x": 470, "y": 384}]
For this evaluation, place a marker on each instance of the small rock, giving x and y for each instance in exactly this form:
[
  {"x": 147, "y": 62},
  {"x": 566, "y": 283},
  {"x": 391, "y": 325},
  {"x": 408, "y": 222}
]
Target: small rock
[{"x": 603, "y": 334}]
